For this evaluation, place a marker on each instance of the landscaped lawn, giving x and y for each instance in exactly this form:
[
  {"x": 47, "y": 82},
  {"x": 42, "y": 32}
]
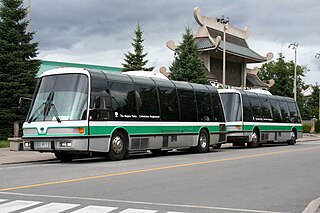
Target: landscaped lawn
[{"x": 4, "y": 144}]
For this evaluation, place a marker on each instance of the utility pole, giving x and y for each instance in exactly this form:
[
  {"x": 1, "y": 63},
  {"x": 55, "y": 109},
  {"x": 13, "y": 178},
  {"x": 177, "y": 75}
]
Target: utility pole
[
  {"x": 294, "y": 46},
  {"x": 317, "y": 55},
  {"x": 225, "y": 22}
]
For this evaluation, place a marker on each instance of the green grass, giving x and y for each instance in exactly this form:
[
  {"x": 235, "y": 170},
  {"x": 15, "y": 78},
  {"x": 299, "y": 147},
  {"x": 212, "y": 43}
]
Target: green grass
[{"x": 4, "y": 144}]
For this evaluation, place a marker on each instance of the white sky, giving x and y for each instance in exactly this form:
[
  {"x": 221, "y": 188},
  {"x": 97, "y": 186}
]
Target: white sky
[{"x": 101, "y": 31}]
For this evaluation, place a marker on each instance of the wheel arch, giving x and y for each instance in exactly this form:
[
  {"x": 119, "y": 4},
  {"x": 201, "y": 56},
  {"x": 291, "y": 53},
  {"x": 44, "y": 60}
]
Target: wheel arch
[{"x": 124, "y": 132}]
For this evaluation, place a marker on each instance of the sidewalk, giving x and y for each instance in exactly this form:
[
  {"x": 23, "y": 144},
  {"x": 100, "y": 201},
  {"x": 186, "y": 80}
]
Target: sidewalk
[{"x": 11, "y": 157}]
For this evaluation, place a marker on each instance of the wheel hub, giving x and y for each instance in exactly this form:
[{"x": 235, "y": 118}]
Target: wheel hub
[
  {"x": 117, "y": 145},
  {"x": 203, "y": 141}
]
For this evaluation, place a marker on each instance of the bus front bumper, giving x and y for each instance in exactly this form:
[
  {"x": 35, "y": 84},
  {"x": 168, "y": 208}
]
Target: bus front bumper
[{"x": 51, "y": 145}]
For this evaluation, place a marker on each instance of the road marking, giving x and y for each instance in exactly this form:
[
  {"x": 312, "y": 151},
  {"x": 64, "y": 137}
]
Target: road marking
[
  {"x": 138, "y": 211},
  {"x": 154, "y": 169},
  {"x": 17, "y": 205},
  {"x": 95, "y": 209},
  {"x": 144, "y": 203},
  {"x": 52, "y": 207}
]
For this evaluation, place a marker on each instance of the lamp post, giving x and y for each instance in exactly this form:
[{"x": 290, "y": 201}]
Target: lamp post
[
  {"x": 317, "y": 55},
  {"x": 294, "y": 46},
  {"x": 225, "y": 22}
]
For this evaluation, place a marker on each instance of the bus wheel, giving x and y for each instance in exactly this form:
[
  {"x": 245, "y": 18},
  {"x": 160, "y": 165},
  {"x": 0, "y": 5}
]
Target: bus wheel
[
  {"x": 292, "y": 140},
  {"x": 63, "y": 157},
  {"x": 117, "y": 148},
  {"x": 203, "y": 142},
  {"x": 254, "y": 139}
]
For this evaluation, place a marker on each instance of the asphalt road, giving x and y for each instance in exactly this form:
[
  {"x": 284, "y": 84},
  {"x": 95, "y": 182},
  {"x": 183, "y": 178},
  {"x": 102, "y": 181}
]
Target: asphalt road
[{"x": 272, "y": 178}]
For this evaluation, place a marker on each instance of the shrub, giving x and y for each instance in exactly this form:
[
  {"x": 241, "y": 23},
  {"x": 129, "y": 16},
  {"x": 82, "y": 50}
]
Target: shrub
[
  {"x": 306, "y": 128},
  {"x": 317, "y": 127}
]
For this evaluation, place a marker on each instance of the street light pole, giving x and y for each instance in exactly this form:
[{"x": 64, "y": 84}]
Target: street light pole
[
  {"x": 294, "y": 46},
  {"x": 225, "y": 22},
  {"x": 317, "y": 55}
]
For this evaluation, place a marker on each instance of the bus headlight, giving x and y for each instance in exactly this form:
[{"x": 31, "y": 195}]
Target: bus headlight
[{"x": 65, "y": 144}]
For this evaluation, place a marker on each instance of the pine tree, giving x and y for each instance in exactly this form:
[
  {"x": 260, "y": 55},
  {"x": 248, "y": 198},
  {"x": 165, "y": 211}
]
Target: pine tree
[
  {"x": 18, "y": 66},
  {"x": 135, "y": 61},
  {"x": 187, "y": 65}
]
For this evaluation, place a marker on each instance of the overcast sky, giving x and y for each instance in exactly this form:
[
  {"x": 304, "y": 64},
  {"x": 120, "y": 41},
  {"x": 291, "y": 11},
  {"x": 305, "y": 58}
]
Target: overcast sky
[{"x": 101, "y": 31}]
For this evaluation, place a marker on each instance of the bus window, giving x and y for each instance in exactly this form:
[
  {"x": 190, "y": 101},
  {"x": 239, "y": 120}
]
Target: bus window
[
  {"x": 204, "y": 106},
  {"x": 247, "y": 109},
  {"x": 217, "y": 106},
  {"x": 256, "y": 108},
  {"x": 147, "y": 100},
  {"x": 168, "y": 103},
  {"x": 294, "y": 115},
  {"x": 232, "y": 106},
  {"x": 276, "y": 111},
  {"x": 123, "y": 101},
  {"x": 284, "y": 110},
  {"x": 265, "y": 107},
  {"x": 187, "y": 105}
]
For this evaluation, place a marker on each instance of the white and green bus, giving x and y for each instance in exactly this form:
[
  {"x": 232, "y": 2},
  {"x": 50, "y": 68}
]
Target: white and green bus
[
  {"x": 256, "y": 116},
  {"x": 81, "y": 112}
]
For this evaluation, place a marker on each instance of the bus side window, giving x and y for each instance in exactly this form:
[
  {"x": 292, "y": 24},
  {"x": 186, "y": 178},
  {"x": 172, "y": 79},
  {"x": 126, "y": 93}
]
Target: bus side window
[
  {"x": 256, "y": 107},
  {"x": 284, "y": 110},
  {"x": 123, "y": 101},
  {"x": 217, "y": 107},
  {"x": 294, "y": 115},
  {"x": 147, "y": 100},
  {"x": 187, "y": 105},
  {"x": 247, "y": 109},
  {"x": 276, "y": 111},
  {"x": 168, "y": 103},
  {"x": 204, "y": 106},
  {"x": 265, "y": 108}
]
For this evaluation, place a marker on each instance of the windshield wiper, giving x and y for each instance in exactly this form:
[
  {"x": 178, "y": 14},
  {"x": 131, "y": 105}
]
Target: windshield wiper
[
  {"x": 47, "y": 106},
  {"x": 55, "y": 112}
]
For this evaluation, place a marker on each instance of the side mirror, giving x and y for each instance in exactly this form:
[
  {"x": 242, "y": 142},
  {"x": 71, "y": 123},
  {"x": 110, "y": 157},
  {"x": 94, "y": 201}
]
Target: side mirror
[{"x": 22, "y": 106}]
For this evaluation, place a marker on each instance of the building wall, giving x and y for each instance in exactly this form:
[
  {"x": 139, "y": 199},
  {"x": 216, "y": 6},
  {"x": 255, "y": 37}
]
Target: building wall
[{"x": 234, "y": 71}]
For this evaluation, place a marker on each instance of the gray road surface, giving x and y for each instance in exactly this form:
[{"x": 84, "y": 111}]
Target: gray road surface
[{"x": 273, "y": 178}]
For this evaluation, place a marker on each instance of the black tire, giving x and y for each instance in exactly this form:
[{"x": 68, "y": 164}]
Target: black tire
[
  {"x": 63, "y": 157},
  {"x": 118, "y": 146},
  {"x": 255, "y": 141},
  {"x": 203, "y": 142},
  {"x": 293, "y": 138}
]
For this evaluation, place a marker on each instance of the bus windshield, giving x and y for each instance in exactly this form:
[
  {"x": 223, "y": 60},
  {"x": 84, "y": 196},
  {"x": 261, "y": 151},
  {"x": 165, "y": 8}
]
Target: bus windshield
[
  {"x": 232, "y": 106},
  {"x": 60, "y": 97}
]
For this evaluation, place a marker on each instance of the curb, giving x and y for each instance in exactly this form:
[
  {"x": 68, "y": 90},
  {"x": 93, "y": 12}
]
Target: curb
[{"x": 313, "y": 207}]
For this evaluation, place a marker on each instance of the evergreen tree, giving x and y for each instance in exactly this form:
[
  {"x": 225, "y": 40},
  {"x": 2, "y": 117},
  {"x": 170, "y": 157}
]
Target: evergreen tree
[
  {"x": 18, "y": 66},
  {"x": 187, "y": 65},
  {"x": 135, "y": 61}
]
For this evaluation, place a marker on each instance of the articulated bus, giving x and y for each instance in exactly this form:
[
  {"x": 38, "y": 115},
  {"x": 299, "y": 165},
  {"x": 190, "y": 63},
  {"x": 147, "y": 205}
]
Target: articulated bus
[
  {"x": 81, "y": 112},
  {"x": 255, "y": 117}
]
